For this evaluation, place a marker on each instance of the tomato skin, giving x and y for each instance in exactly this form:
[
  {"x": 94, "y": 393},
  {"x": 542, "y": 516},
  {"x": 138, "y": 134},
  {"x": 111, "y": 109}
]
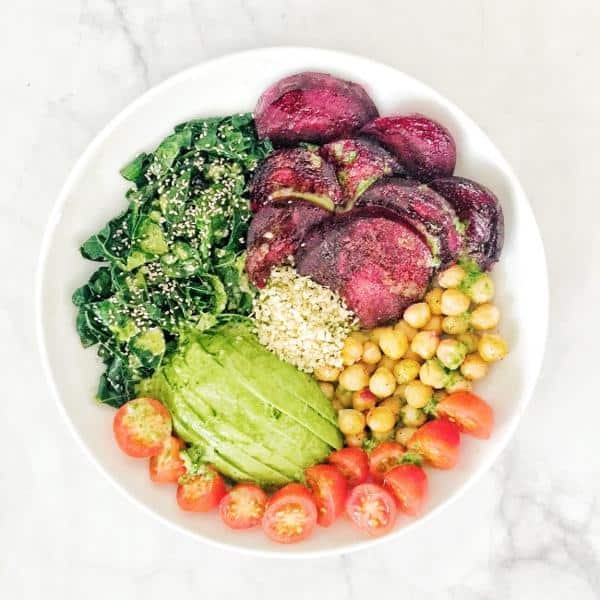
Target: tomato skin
[
  {"x": 438, "y": 441},
  {"x": 383, "y": 458},
  {"x": 471, "y": 413},
  {"x": 243, "y": 506},
  {"x": 201, "y": 493},
  {"x": 291, "y": 514},
  {"x": 408, "y": 484},
  {"x": 167, "y": 467},
  {"x": 371, "y": 509},
  {"x": 329, "y": 488},
  {"x": 353, "y": 464},
  {"x": 141, "y": 427}
]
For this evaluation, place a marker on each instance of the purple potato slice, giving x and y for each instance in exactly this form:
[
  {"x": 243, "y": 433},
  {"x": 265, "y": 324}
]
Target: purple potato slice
[
  {"x": 427, "y": 211},
  {"x": 424, "y": 147},
  {"x": 312, "y": 107},
  {"x": 359, "y": 163},
  {"x": 479, "y": 209},
  {"x": 295, "y": 174}
]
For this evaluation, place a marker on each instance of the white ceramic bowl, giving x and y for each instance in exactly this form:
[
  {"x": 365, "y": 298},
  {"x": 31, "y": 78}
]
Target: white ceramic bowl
[{"x": 94, "y": 192}]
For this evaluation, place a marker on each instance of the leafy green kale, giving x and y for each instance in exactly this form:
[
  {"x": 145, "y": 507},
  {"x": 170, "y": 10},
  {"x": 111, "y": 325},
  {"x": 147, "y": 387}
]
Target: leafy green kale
[{"x": 174, "y": 259}]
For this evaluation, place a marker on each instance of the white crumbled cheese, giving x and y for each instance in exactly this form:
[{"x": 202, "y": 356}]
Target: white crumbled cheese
[{"x": 301, "y": 321}]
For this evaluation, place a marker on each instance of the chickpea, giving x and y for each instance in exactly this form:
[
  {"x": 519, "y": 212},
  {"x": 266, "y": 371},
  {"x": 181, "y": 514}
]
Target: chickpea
[
  {"x": 418, "y": 394},
  {"x": 425, "y": 344},
  {"x": 434, "y": 299},
  {"x": 337, "y": 405},
  {"x": 399, "y": 393},
  {"x": 406, "y": 329},
  {"x": 451, "y": 353},
  {"x": 376, "y": 332},
  {"x": 343, "y": 396},
  {"x": 352, "y": 351},
  {"x": 474, "y": 367},
  {"x": 457, "y": 383},
  {"x": 393, "y": 343},
  {"x": 412, "y": 417},
  {"x": 380, "y": 419},
  {"x": 482, "y": 289},
  {"x": 417, "y": 315},
  {"x": 413, "y": 356},
  {"x": 369, "y": 368},
  {"x": 354, "y": 378},
  {"x": 381, "y": 436},
  {"x": 360, "y": 336},
  {"x": 451, "y": 277},
  {"x": 327, "y": 388},
  {"x": 492, "y": 347},
  {"x": 404, "y": 434},
  {"x": 470, "y": 340},
  {"x": 388, "y": 363},
  {"x": 456, "y": 325},
  {"x": 485, "y": 316},
  {"x": 454, "y": 302},
  {"x": 382, "y": 383},
  {"x": 432, "y": 373},
  {"x": 406, "y": 370},
  {"x": 434, "y": 324},
  {"x": 327, "y": 373},
  {"x": 351, "y": 421},
  {"x": 371, "y": 353},
  {"x": 363, "y": 400},
  {"x": 393, "y": 403},
  {"x": 357, "y": 439}
]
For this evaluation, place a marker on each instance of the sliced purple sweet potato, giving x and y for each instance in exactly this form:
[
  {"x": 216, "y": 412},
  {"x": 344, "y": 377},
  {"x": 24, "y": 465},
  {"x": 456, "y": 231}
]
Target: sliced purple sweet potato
[
  {"x": 295, "y": 174},
  {"x": 359, "y": 163},
  {"x": 377, "y": 264},
  {"x": 312, "y": 107},
  {"x": 427, "y": 211},
  {"x": 274, "y": 235},
  {"x": 481, "y": 212},
  {"x": 424, "y": 147}
]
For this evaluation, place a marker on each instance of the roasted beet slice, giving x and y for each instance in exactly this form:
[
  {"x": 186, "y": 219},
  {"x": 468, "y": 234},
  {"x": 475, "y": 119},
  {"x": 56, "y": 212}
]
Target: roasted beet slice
[
  {"x": 427, "y": 211},
  {"x": 274, "y": 235},
  {"x": 295, "y": 174},
  {"x": 377, "y": 264},
  {"x": 423, "y": 146},
  {"x": 482, "y": 213},
  {"x": 359, "y": 163},
  {"x": 312, "y": 107}
]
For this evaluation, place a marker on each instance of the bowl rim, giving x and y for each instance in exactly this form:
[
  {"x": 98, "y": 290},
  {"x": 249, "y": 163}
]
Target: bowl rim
[{"x": 55, "y": 217}]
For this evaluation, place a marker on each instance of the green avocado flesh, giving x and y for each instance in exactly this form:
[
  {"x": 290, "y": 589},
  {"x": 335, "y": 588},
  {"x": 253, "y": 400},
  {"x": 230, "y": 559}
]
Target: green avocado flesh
[{"x": 255, "y": 417}]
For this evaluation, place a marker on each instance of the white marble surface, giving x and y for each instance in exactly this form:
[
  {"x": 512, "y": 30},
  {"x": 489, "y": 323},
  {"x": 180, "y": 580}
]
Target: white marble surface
[{"x": 528, "y": 73}]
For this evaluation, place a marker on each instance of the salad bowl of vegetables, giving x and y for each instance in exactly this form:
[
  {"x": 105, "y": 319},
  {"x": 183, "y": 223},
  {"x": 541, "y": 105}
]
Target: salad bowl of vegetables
[{"x": 306, "y": 303}]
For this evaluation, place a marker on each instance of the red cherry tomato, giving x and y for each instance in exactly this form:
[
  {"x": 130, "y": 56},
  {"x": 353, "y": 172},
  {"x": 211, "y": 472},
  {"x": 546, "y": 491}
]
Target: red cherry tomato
[
  {"x": 329, "y": 488},
  {"x": 353, "y": 463},
  {"x": 291, "y": 514},
  {"x": 438, "y": 441},
  {"x": 202, "y": 492},
  {"x": 141, "y": 427},
  {"x": 167, "y": 467},
  {"x": 408, "y": 484},
  {"x": 243, "y": 507},
  {"x": 472, "y": 414},
  {"x": 371, "y": 508},
  {"x": 383, "y": 458}
]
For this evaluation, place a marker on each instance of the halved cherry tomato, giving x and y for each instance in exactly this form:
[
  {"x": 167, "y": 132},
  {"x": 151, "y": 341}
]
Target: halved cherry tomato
[
  {"x": 383, "y": 458},
  {"x": 353, "y": 463},
  {"x": 472, "y": 414},
  {"x": 438, "y": 442},
  {"x": 408, "y": 484},
  {"x": 291, "y": 514},
  {"x": 329, "y": 488},
  {"x": 202, "y": 492},
  {"x": 371, "y": 508},
  {"x": 141, "y": 427},
  {"x": 243, "y": 507},
  {"x": 167, "y": 467}
]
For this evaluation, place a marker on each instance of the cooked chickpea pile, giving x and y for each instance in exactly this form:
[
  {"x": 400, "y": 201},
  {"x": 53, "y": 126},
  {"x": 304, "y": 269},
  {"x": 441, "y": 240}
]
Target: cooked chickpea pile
[{"x": 393, "y": 376}]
